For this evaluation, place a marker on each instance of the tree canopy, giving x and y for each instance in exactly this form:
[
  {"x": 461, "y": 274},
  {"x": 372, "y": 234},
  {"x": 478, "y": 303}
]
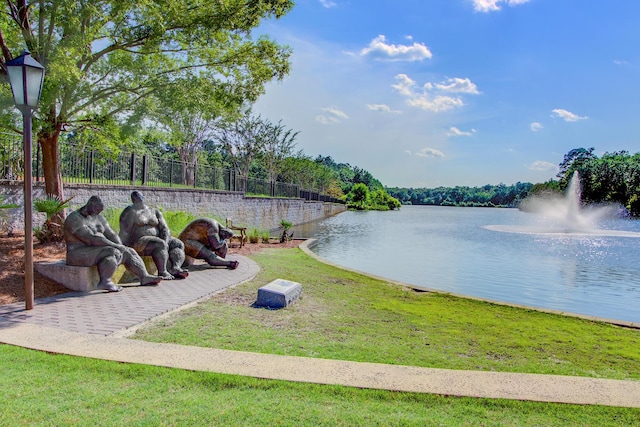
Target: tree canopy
[
  {"x": 486, "y": 196},
  {"x": 105, "y": 60}
]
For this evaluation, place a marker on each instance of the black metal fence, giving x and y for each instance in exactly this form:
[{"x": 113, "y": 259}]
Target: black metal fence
[
  {"x": 90, "y": 167},
  {"x": 11, "y": 155}
]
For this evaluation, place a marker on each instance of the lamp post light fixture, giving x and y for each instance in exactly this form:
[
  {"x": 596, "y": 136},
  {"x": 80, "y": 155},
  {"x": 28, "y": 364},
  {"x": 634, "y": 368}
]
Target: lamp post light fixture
[{"x": 26, "y": 76}]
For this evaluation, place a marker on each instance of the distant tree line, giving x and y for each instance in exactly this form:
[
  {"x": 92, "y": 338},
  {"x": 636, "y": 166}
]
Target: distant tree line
[
  {"x": 486, "y": 196},
  {"x": 612, "y": 178}
]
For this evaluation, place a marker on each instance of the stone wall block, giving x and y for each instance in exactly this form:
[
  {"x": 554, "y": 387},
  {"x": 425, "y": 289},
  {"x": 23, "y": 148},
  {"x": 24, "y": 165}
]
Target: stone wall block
[{"x": 262, "y": 213}]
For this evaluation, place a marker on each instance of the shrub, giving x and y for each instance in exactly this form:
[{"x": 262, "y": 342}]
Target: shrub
[
  {"x": 50, "y": 231},
  {"x": 254, "y": 235},
  {"x": 177, "y": 220},
  {"x": 285, "y": 225}
]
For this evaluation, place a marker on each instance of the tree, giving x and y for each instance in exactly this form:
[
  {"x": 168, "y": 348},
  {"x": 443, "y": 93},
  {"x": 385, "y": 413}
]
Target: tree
[
  {"x": 189, "y": 114},
  {"x": 299, "y": 169},
  {"x": 359, "y": 194},
  {"x": 106, "y": 58},
  {"x": 363, "y": 176},
  {"x": 381, "y": 200},
  {"x": 278, "y": 145},
  {"x": 605, "y": 179},
  {"x": 242, "y": 140},
  {"x": 572, "y": 159},
  {"x": 312, "y": 174}
]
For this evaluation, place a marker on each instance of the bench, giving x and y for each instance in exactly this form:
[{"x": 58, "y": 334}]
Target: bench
[
  {"x": 85, "y": 279},
  {"x": 241, "y": 236}
]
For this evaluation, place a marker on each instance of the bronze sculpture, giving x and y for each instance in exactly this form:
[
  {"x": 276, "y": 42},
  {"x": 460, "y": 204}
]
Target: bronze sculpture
[
  {"x": 205, "y": 239},
  {"x": 145, "y": 230},
  {"x": 91, "y": 241}
]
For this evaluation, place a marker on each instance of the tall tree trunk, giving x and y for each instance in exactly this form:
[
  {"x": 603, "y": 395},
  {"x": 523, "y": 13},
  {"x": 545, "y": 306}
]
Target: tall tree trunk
[
  {"x": 51, "y": 163},
  {"x": 188, "y": 167},
  {"x": 51, "y": 167}
]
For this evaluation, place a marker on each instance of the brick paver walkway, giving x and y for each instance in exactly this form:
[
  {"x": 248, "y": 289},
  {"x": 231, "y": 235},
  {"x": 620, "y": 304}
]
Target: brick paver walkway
[{"x": 103, "y": 313}]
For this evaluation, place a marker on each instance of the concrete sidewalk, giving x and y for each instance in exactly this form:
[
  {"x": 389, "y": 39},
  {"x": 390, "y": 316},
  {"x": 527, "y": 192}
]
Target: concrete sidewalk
[{"x": 94, "y": 325}]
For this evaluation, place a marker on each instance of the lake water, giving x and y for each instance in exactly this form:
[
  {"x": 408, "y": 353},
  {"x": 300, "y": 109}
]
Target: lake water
[{"x": 471, "y": 251}]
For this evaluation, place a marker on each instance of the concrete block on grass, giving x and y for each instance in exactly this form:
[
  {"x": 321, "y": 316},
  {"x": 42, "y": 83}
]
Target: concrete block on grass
[{"x": 278, "y": 293}]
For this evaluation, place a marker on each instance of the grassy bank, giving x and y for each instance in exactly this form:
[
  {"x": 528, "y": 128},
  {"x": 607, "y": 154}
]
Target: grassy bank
[{"x": 348, "y": 316}]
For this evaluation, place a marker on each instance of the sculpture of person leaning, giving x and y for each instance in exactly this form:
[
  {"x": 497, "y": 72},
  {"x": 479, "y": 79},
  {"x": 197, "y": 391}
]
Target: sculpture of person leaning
[
  {"x": 145, "y": 230},
  {"x": 205, "y": 239},
  {"x": 91, "y": 241}
]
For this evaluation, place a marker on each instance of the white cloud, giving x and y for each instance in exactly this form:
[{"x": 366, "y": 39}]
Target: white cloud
[
  {"x": 458, "y": 85},
  {"x": 436, "y": 104},
  {"x": 328, "y": 3},
  {"x": 567, "y": 116},
  {"x": 429, "y": 101},
  {"x": 493, "y": 5},
  {"x": 326, "y": 120},
  {"x": 454, "y": 131},
  {"x": 333, "y": 116},
  {"x": 405, "y": 85},
  {"x": 427, "y": 152},
  {"x": 620, "y": 62},
  {"x": 535, "y": 126},
  {"x": 383, "y": 108},
  {"x": 381, "y": 50},
  {"x": 336, "y": 112},
  {"x": 541, "y": 165}
]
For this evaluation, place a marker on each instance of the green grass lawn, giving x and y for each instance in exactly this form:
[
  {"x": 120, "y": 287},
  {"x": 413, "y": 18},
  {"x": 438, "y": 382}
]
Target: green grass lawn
[
  {"x": 55, "y": 390},
  {"x": 349, "y": 316},
  {"x": 341, "y": 315}
]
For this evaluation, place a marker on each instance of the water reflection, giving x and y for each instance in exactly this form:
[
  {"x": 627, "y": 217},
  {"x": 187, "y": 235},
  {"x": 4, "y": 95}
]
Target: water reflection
[{"x": 459, "y": 250}]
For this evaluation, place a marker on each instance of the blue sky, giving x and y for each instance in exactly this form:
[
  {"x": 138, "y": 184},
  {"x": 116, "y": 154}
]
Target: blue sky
[{"x": 424, "y": 93}]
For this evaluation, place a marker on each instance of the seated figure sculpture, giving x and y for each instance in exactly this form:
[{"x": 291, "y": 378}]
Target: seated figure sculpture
[
  {"x": 145, "y": 230},
  {"x": 91, "y": 241},
  {"x": 205, "y": 239}
]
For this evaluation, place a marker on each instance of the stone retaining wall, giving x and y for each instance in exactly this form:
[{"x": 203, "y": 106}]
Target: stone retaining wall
[{"x": 254, "y": 212}]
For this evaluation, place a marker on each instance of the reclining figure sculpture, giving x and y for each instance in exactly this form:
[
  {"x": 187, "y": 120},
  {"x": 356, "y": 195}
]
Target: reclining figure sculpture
[{"x": 205, "y": 239}]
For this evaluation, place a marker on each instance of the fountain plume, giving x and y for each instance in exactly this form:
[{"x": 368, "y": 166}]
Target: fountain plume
[{"x": 566, "y": 212}]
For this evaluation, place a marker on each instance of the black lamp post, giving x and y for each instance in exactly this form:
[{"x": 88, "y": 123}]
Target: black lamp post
[{"x": 26, "y": 76}]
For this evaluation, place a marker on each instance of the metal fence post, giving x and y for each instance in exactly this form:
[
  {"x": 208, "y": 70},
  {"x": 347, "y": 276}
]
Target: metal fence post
[
  {"x": 195, "y": 175},
  {"x": 144, "y": 170},
  {"x": 132, "y": 169},
  {"x": 91, "y": 167},
  {"x": 37, "y": 161}
]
